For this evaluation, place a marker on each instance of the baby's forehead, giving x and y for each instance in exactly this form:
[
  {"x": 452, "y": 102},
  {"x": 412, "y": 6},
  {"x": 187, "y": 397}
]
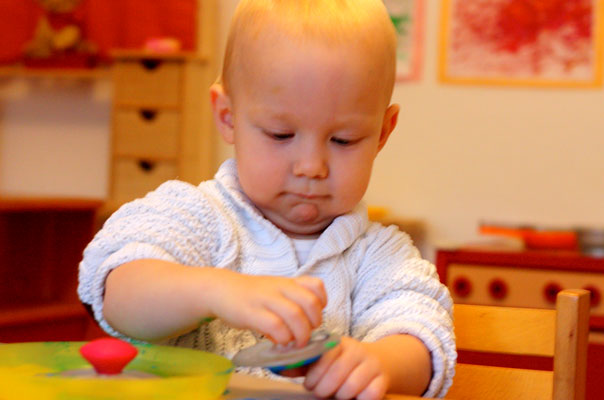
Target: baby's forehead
[{"x": 361, "y": 27}]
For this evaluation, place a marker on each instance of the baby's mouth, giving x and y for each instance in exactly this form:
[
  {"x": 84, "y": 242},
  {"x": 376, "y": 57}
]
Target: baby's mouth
[{"x": 310, "y": 196}]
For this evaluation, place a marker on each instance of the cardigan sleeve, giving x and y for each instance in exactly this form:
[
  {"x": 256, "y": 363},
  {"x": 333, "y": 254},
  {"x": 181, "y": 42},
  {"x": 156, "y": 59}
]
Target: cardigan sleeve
[
  {"x": 397, "y": 292},
  {"x": 177, "y": 222}
]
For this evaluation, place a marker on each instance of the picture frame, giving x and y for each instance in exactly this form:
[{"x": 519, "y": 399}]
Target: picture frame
[
  {"x": 408, "y": 19},
  {"x": 521, "y": 43}
]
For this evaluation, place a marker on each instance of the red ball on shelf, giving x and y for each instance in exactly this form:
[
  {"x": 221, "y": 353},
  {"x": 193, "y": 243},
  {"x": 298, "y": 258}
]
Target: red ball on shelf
[{"x": 108, "y": 356}]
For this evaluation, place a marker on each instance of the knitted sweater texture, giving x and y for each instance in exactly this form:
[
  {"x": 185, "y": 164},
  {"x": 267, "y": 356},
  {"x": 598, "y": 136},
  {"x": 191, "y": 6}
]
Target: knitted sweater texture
[{"x": 376, "y": 282}]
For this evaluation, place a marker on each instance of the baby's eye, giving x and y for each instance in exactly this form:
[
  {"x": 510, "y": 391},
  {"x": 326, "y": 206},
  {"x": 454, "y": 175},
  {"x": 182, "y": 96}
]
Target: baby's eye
[
  {"x": 340, "y": 141},
  {"x": 280, "y": 136}
]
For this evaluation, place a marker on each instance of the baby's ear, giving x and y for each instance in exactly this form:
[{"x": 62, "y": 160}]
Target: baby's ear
[
  {"x": 223, "y": 112},
  {"x": 388, "y": 124}
]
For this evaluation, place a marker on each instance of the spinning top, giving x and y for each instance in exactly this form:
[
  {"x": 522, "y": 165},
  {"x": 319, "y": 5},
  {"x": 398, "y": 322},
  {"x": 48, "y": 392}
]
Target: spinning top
[
  {"x": 108, "y": 356},
  {"x": 278, "y": 358}
]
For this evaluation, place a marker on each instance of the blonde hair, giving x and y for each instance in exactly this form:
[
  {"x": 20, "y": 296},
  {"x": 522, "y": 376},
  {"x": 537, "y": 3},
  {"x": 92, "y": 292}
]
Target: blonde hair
[{"x": 329, "y": 22}]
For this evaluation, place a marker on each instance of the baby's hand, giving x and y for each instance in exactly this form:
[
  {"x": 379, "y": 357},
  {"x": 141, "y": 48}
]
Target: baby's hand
[
  {"x": 283, "y": 309},
  {"x": 349, "y": 370}
]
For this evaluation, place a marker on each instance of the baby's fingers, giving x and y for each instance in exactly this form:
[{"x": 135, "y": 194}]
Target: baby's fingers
[
  {"x": 309, "y": 303},
  {"x": 359, "y": 381},
  {"x": 272, "y": 326},
  {"x": 375, "y": 390},
  {"x": 316, "y": 286},
  {"x": 294, "y": 318},
  {"x": 319, "y": 369}
]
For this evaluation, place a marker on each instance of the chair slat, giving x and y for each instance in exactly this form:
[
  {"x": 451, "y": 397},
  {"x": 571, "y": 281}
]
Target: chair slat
[
  {"x": 505, "y": 330},
  {"x": 561, "y": 334},
  {"x": 570, "y": 360},
  {"x": 473, "y": 382}
]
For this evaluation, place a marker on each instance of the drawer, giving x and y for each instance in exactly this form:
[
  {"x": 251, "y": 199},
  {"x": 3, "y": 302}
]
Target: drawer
[
  {"x": 133, "y": 178},
  {"x": 520, "y": 287},
  {"x": 147, "y": 83},
  {"x": 146, "y": 133}
]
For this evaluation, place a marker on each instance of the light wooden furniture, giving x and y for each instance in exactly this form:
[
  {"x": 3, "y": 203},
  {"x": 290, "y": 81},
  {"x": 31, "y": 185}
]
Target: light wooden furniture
[
  {"x": 54, "y": 73},
  {"x": 41, "y": 244},
  {"x": 250, "y": 387},
  {"x": 527, "y": 278},
  {"x": 162, "y": 124},
  {"x": 560, "y": 333}
]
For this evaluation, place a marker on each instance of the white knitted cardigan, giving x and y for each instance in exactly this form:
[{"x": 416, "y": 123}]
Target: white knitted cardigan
[{"x": 376, "y": 282}]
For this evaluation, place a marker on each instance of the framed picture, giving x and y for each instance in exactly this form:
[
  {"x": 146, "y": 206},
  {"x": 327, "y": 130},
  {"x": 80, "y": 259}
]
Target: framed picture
[
  {"x": 522, "y": 42},
  {"x": 408, "y": 19}
]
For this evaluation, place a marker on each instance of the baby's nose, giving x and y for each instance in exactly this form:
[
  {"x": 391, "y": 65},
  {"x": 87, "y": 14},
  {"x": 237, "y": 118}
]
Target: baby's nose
[{"x": 311, "y": 164}]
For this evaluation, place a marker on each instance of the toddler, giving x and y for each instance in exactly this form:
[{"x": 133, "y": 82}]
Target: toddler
[{"x": 279, "y": 243}]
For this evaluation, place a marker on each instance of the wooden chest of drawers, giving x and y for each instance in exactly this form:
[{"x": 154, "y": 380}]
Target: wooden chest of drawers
[
  {"x": 162, "y": 122},
  {"x": 528, "y": 279}
]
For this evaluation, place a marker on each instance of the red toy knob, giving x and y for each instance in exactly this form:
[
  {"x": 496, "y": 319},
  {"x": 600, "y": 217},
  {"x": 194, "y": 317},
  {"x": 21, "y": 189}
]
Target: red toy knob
[{"x": 108, "y": 356}]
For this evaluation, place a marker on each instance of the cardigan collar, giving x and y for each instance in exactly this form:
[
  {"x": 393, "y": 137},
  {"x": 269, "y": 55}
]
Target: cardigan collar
[{"x": 335, "y": 239}]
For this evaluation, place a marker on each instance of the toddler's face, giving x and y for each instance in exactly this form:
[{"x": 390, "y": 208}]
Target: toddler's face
[{"x": 307, "y": 125}]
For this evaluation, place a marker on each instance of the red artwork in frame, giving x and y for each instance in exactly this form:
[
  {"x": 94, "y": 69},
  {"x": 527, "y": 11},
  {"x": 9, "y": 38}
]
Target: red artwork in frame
[{"x": 522, "y": 42}]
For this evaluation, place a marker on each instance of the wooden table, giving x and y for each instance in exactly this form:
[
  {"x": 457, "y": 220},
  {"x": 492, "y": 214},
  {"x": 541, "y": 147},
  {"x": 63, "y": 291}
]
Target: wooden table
[{"x": 245, "y": 387}]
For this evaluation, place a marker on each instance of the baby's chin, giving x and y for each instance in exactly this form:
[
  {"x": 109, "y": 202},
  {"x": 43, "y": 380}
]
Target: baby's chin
[{"x": 300, "y": 220}]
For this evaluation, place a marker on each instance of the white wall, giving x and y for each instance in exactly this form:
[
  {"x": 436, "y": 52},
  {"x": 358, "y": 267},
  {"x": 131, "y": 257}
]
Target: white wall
[
  {"x": 462, "y": 154},
  {"x": 54, "y": 137}
]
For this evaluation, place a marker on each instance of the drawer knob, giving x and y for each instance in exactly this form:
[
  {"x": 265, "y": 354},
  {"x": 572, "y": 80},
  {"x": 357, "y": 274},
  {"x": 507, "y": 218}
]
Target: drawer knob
[
  {"x": 498, "y": 289},
  {"x": 150, "y": 63},
  {"x": 148, "y": 115},
  {"x": 146, "y": 166},
  {"x": 594, "y": 295},
  {"x": 550, "y": 291},
  {"x": 462, "y": 286}
]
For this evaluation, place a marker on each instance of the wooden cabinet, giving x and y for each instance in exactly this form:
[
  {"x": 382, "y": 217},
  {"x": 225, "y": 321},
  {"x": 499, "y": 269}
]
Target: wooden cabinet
[
  {"x": 162, "y": 124},
  {"x": 41, "y": 244},
  {"x": 528, "y": 279}
]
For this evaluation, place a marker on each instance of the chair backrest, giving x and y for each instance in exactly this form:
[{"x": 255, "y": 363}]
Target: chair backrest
[{"x": 561, "y": 333}]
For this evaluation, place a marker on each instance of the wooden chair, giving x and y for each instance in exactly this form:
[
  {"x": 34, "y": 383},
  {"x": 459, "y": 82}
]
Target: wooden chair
[{"x": 561, "y": 333}]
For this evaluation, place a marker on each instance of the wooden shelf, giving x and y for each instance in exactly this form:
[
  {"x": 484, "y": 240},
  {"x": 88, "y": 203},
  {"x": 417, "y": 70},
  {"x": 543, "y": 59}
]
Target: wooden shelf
[
  {"x": 61, "y": 73},
  {"x": 125, "y": 54},
  {"x": 47, "y": 204}
]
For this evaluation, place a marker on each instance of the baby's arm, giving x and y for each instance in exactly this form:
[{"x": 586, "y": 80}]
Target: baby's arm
[
  {"x": 369, "y": 370},
  {"x": 398, "y": 293},
  {"x": 154, "y": 299}
]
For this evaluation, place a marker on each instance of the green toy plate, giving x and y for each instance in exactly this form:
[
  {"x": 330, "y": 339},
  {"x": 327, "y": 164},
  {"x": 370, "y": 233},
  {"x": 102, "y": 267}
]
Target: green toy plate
[{"x": 37, "y": 371}]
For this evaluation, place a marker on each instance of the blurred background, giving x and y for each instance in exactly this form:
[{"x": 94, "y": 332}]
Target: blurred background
[
  {"x": 460, "y": 154},
  {"x": 495, "y": 167}
]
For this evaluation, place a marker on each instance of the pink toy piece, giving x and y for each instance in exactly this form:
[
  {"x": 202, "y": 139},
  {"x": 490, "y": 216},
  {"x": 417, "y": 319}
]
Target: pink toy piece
[{"x": 108, "y": 356}]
